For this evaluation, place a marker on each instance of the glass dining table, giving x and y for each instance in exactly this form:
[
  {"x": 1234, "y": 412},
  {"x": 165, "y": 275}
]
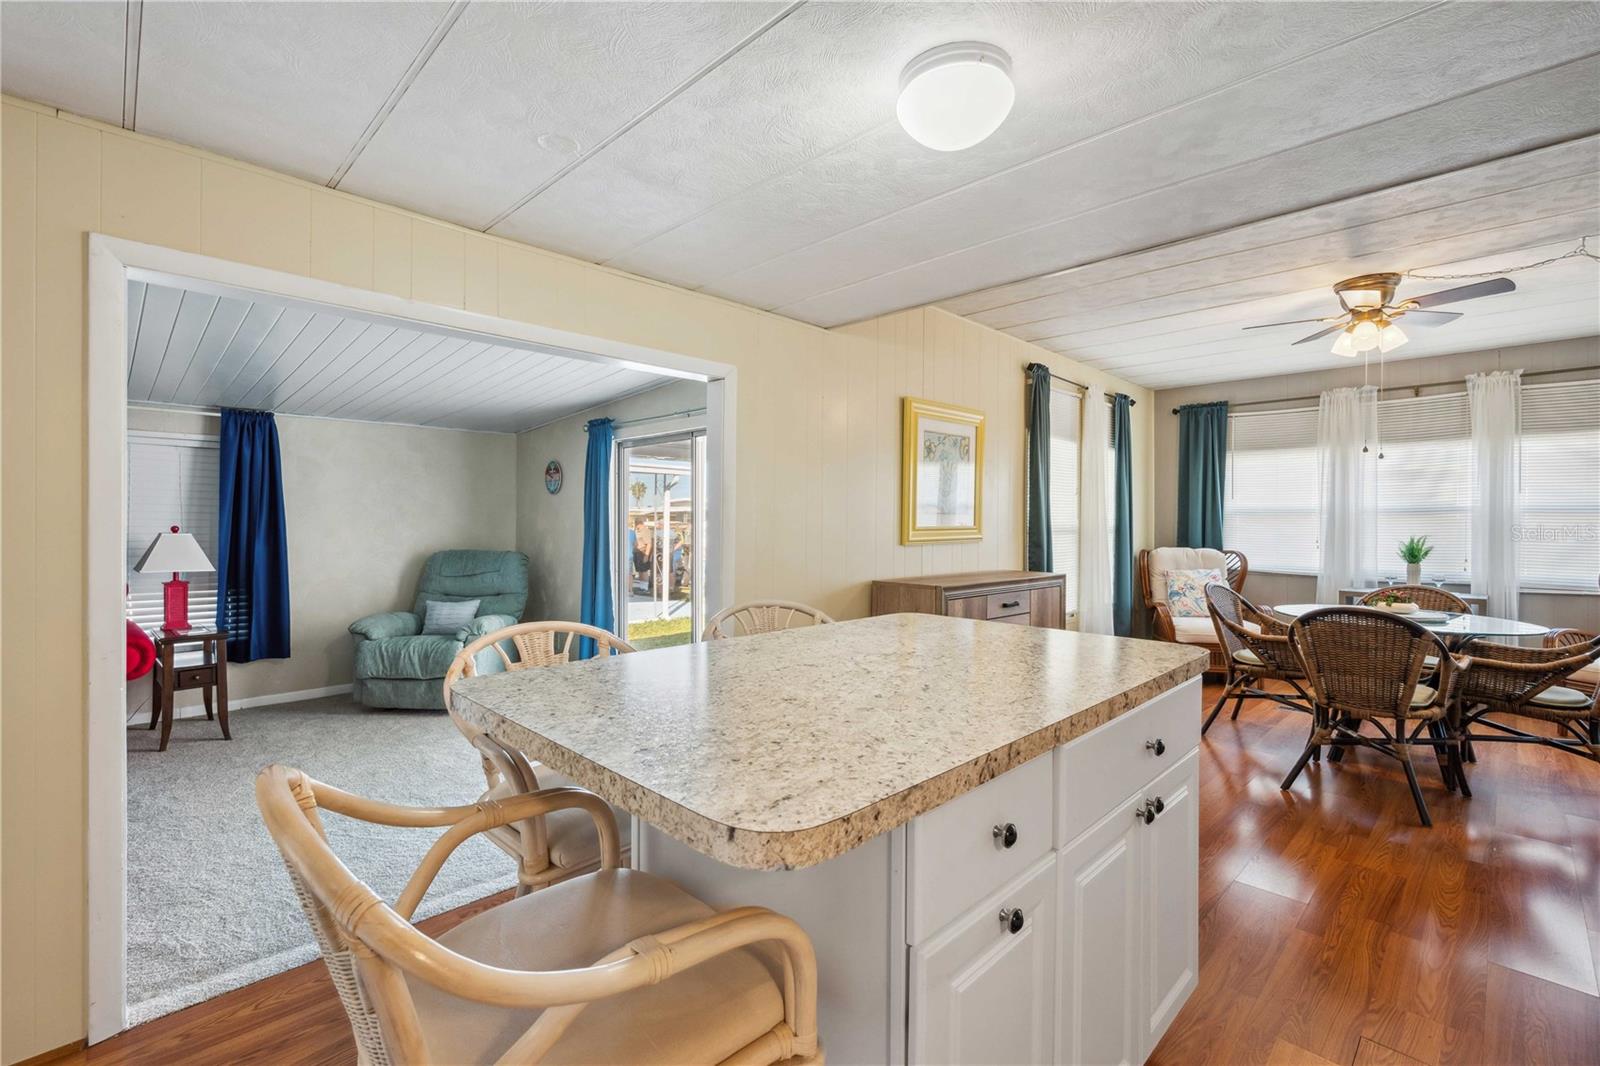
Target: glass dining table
[{"x": 1454, "y": 629}]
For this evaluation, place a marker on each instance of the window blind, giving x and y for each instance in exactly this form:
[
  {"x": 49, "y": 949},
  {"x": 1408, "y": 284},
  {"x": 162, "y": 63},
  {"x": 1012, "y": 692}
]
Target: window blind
[
  {"x": 1558, "y": 537},
  {"x": 172, "y": 480},
  {"x": 1422, "y": 486},
  {"x": 1066, "y": 434},
  {"x": 1270, "y": 510}
]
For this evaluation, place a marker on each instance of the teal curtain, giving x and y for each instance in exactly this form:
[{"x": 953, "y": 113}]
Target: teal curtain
[
  {"x": 595, "y": 607},
  {"x": 1040, "y": 557},
  {"x": 1202, "y": 473},
  {"x": 1122, "y": 537}
]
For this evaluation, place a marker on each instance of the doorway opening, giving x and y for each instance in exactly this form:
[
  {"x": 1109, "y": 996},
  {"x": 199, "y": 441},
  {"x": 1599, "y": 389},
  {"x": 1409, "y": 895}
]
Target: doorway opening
[{"x": 661, "y": 542}]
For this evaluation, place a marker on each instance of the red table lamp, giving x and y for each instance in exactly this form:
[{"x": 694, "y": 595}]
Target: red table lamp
[{"x": 174, "y": 552}]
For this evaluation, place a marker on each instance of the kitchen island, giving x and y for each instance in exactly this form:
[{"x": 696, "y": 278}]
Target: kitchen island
[{"x": 988, "y": 831}]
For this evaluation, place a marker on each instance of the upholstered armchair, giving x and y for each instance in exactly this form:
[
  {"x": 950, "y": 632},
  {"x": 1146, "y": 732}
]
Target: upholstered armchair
[
  {"x": 1153, "y": 566},
  {"x": 397, "y": 665}
]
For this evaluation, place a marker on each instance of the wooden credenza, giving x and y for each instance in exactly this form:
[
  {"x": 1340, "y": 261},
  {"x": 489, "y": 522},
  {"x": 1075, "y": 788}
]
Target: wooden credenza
[{"x": 1022, "y": 597}]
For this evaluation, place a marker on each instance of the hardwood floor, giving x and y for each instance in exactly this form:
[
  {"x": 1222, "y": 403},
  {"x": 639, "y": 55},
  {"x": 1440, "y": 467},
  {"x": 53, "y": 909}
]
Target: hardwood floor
[{"x": 1334, "y": 928}]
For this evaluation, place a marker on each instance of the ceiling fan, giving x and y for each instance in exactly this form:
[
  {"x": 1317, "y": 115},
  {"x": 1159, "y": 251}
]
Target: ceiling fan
[{"x": 1370, "y": 313}]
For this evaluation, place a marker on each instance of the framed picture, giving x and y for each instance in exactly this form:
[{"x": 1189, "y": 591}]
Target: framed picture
[{"x": 941, "y": 473}]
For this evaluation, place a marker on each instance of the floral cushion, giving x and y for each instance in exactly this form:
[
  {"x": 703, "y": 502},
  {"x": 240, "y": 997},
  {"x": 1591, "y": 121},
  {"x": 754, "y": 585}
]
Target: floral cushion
[{"x": 1186, "y": 592}]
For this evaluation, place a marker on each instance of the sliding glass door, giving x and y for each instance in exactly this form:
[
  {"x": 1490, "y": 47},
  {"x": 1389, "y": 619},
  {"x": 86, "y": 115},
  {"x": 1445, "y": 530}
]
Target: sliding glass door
[{"x": 660, "y": 541}]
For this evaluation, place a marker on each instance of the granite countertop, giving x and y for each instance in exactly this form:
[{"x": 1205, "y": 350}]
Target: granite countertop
[{"x": 786, "y": 749}]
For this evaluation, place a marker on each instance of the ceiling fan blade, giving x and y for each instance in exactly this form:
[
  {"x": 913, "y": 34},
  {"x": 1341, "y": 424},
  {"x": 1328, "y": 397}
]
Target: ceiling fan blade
[
  {"x": 1492, "y": 287},
  {"x": 1322, "y": 333},
  {"x": 1295, "y": 322},
  {"x": 1429, "y": 319}
]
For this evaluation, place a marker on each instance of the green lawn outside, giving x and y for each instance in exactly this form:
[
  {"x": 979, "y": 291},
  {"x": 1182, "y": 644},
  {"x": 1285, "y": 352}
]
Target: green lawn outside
[{"x": 659, "y": 633}]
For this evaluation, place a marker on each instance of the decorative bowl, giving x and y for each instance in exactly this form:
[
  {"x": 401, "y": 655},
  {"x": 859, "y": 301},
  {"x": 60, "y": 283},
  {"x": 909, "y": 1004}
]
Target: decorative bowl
[{"x": 1403, "y": 607}]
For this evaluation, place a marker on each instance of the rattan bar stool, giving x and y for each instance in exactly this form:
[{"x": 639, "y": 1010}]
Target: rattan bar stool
[
  {"x": 1365, "y": 666},
  {"x": 1256, "y": 649}
]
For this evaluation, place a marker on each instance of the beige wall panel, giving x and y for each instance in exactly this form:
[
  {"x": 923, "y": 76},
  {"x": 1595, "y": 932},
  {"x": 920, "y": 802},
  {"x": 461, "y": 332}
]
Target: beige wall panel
[
  {"x": 481, "y": 274},
  {"x": 391, "y": 252},
  {"x": 250, "y": 217},
  {"x": 152, "y": 194},
  {"x": 437, "y": 264},
  {"x": 534, "y": 287},
  {"x": 341, "y": 239},
  {"x": 20, "y": 802}
]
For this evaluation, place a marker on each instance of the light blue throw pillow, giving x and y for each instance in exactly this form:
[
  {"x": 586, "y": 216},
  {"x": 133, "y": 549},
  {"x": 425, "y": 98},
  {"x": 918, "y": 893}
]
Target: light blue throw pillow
[{"x": 444, "y": 617}]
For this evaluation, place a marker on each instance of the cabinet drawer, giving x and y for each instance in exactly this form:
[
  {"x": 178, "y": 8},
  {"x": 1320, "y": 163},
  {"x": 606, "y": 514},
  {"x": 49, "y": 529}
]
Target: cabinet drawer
[
  {"x": 195, "y": 677},
  {"x": 956, "y": 856},
  {"x": 1008, "y": 604},
  {"x": 1100, "y": 769}
]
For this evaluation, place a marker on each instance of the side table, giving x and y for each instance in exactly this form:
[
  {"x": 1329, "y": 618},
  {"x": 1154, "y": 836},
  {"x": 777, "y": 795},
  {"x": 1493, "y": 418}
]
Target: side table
[{"x": 211, "y": 676}]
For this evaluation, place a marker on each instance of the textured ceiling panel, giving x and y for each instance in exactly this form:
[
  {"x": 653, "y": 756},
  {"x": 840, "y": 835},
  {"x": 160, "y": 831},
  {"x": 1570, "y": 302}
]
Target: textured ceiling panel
[
  {"x": 193, "y": 349},
  {"x": 463, "y": 142},
  {"x": 69, "y": 55},
  {"x": 288, "y": 85}
]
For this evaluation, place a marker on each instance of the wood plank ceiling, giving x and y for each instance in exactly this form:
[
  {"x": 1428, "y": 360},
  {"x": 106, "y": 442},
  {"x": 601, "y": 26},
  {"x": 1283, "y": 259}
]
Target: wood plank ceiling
[
  {"x": 200, "y": 349},
  {"x": 750, "y": 149}
]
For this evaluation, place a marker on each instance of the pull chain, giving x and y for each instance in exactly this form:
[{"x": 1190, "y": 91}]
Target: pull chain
[{"x": 1581, "y": 251}]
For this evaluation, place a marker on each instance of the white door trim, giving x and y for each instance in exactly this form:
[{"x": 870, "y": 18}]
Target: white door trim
[{"x": 112, "y": 261}]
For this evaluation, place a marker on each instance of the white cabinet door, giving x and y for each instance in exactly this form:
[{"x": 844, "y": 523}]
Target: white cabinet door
[
  {"x": 981, "y": 993},
  {"x": 1171, "y": 928},
  {"x": 1099, "y": 1013}
]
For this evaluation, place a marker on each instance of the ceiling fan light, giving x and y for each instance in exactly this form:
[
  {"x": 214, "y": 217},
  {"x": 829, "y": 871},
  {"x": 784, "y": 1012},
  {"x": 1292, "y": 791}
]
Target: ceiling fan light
[
  {"x": 1344, "y": 346},
  {"x": 954, "y": 96},
  {"x": 1364, "y": 335},
  {"x": 1390, "y": 337}
]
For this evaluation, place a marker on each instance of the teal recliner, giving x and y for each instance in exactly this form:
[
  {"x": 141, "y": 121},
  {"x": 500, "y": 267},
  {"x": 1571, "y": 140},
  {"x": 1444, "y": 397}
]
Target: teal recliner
[{"x": 397, "y": 666}]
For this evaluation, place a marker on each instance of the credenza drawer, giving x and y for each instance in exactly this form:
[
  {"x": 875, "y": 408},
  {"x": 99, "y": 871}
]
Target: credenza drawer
[
  {"x": 971, "y": 846},
  {"x": 1008, "y": 604},
  {"x": 1102, "y": 768}
]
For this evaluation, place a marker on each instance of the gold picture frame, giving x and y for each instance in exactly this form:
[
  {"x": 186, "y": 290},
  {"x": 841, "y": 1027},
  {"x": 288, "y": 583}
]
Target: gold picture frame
[{"x": 941, "y": 492}]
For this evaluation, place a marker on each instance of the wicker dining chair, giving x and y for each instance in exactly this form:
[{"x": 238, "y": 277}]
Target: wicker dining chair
[
  {"x": 563, "y": 845},
  {"x": 615, "y": 966},
  {"x": 762, "y": 616},
  {"x": 1505, "y": 679},
  {"x": 1257, "y": 650},
  {"x": 1365, "y": 666},
  {"x": 1427, "y": 597},
  {"x": 1587, "y": 679}
]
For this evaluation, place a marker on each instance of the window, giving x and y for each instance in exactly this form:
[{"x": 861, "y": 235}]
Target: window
[
  {"x": 1270, "y": 510},
  {"x": 1422, "y": 485},
  {"x": 172, "y": 480},
  {"x": 1558, "y": 539},
  {"x": 1066, "y": 433}
]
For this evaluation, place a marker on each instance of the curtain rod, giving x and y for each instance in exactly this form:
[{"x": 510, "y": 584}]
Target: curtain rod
[
  {"x": 654, "y": 418},
  {"x": 1406, "y": 388},
  {"x": 1057, "y": 377}
]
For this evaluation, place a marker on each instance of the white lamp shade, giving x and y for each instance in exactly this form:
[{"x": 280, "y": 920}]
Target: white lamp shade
[{"x": 176, "y": 553}]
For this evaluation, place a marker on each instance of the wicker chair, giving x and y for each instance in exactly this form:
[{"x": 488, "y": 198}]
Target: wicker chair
[
  {"x": 615, "y": 966},
  {"x": 1427, "y": 597},
  {"x": 563, "y": 845},
  {"x": 1587, "y": 679},
  {"x": 1366, "y": 666},
  {"x": 1153, "y": 565},
  {"x": 762, "y": 616},
  {"x": 1502, "y": 679},
  {"x": 1257, "y": 650}
]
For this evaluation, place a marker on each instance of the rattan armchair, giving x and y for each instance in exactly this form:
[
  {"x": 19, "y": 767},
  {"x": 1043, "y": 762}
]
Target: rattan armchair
[
  {"x": 547, "y": 850},
  {"x": 1257, "y": 649},
  {"x": 1505, "y": 679},
  {"x": 1152, "y": 566},
  {"x": 616, "y": 966},
  {"x": 1365, "y": 666},
  {"x": 1427, "y": 597},
  {"x": 762, "y": 616},
  {"x": 1587, "y": 679}
]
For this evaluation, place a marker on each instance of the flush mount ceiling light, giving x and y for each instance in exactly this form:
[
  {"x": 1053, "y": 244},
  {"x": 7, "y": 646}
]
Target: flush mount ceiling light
[{"x": 953, "y": 96}]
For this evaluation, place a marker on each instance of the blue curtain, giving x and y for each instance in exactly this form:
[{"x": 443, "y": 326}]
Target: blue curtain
[
  {"x": 1122, "y": 537},
  {"x": 252, "y": 547},
  {"x": 1202, "y": 473},
  {"x": 596, "y": 609},
  {"x": 1040, "y": 555}
]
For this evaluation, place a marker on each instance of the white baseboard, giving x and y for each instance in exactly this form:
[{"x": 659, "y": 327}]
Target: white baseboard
[{"x": 197, "y": 708}]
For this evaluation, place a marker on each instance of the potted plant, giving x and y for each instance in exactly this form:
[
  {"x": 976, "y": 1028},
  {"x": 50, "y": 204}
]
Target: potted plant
[{"x": 1412, "y": 552}]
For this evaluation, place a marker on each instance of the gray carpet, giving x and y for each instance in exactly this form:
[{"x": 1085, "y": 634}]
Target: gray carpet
[{"x": 209, "y": 904}]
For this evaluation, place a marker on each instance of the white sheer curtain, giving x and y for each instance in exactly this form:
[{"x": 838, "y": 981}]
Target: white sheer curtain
[
  {"x": 1347, "y": 423},
  {"x": 1094, "y": 527},
  {"x": 1496, "y": 405}
]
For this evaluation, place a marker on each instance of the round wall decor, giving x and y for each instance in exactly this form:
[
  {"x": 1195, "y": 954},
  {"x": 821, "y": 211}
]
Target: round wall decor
[{"x": 553, "y": 476}]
